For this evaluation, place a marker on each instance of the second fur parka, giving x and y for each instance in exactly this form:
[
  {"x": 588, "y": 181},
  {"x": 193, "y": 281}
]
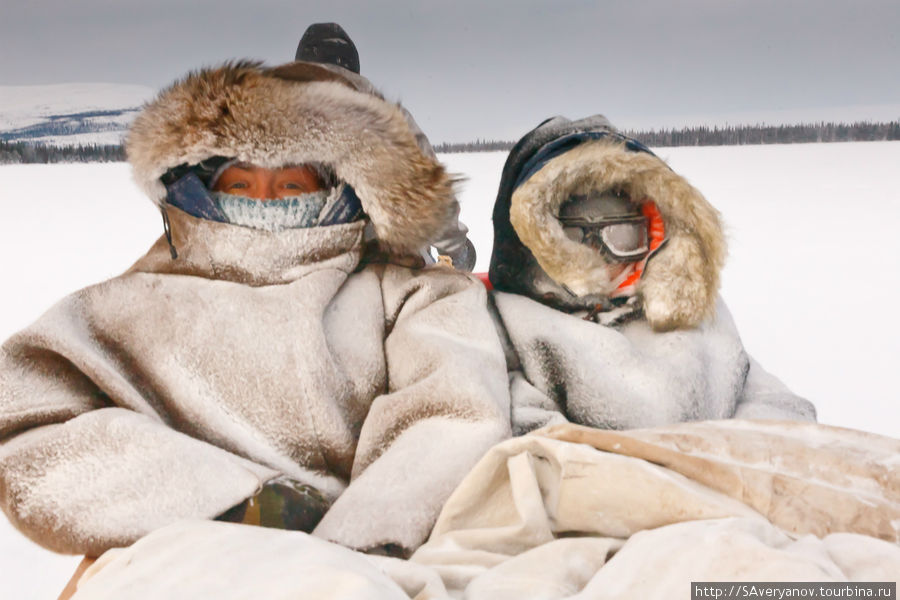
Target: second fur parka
[{"x": 672, "y": 353}]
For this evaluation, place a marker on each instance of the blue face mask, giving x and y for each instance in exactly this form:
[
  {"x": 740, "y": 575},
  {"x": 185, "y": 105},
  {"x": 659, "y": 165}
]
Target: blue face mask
[{"x": 272, "y": 215}]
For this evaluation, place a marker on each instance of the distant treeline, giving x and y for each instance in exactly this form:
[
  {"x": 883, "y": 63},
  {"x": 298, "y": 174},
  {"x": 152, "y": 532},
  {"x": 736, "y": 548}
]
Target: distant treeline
[
  {"x": 476, "y": 146},
  {"x": 25, "y": 152},
  {"x": 862, "y": 131}
]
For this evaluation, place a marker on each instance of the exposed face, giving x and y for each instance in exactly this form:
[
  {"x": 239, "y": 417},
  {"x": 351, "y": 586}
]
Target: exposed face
[{"x": 268, "y": 184}]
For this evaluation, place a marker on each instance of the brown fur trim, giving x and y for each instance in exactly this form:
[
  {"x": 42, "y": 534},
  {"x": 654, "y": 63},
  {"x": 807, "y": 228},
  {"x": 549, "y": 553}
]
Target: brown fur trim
[
  {"x": 244, "y": 111},
  {"x": 680, "y": 283}
]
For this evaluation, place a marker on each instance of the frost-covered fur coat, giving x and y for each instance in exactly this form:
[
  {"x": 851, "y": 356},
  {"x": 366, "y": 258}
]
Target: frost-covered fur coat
[
  {"x": 671, "y": 355},
  {"x": 178, "y": 388},
  {"x": 452, "y": 241}
]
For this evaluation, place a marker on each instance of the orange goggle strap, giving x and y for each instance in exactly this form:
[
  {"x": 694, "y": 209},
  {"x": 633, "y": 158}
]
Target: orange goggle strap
[{"x": 657, "y": 234}]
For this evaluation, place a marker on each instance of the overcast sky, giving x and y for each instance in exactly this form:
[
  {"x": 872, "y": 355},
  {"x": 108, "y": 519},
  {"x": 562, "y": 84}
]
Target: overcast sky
[{"x": 474, "y": 68}]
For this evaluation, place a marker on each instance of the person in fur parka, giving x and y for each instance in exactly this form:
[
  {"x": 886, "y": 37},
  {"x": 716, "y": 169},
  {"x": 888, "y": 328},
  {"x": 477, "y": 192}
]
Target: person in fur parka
[
  {"x": 254, "y": 346},
  {"x": 605, "y": 271}
]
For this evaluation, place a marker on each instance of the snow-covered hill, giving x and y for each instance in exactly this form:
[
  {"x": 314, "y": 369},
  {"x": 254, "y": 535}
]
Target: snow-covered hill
[{"x": 69, "y": 113}]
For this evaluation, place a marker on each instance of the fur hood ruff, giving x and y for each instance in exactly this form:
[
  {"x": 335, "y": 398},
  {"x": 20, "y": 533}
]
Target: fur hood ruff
[
  {"x": 680, "y": 283},
  {"x": 294, "y": 114}
]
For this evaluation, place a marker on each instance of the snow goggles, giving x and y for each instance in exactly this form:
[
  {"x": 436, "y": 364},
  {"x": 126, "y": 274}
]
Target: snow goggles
[{"x": 620, "y": 238}]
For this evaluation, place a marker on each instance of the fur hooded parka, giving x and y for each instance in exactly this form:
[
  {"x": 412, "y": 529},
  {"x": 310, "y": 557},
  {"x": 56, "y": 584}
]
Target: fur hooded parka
[
  {"x": 178, "y": 388},
  {"x": 670, "y": 354}
]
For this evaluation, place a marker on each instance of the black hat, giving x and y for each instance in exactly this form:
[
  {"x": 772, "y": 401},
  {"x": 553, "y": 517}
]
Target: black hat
[{"x": 328, "y": 43}]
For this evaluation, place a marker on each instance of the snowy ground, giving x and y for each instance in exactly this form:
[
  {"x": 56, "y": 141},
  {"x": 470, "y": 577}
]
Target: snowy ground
[{"x": 813, "y": 277}]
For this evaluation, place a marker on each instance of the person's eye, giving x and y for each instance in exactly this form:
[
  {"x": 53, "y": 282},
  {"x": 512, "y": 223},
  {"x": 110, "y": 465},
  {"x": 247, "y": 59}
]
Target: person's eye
[
  {"x": 290, "y": 185},
  {"x": 238, "y": 185}
]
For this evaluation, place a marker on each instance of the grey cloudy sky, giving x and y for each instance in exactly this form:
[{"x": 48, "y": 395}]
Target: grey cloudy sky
[{"x": 475, "y": 68}]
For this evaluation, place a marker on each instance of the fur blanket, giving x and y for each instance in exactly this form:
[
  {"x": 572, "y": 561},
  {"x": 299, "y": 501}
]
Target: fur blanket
[{"x": 573, "y": 512}]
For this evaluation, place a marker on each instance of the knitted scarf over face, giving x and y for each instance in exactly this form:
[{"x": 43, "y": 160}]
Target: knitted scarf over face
[{"x": 272, "y": 215}]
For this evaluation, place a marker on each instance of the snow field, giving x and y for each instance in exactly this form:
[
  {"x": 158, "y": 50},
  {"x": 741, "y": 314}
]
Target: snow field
[{"x": 813, "y": 276}]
